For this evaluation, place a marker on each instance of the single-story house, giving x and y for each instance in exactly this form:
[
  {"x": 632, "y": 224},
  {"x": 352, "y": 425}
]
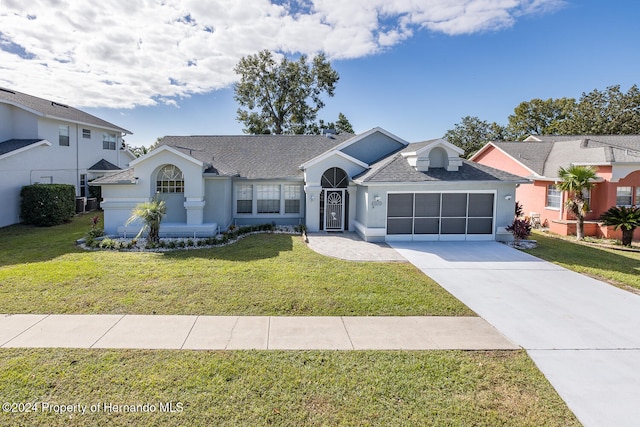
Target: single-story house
[
  {"x": 374, "y": 183},
  {"x": 44, "y": 141},
  {"x": 616, "y": 159}
]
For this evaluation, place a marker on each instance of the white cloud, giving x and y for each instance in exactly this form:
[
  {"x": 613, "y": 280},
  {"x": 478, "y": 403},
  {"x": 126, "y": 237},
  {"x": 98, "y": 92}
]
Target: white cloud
[{"x": 123, "y": 53}]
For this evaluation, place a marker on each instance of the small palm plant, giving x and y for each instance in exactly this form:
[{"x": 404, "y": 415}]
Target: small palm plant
[
  {"x": 150, "y": 213},
  {"x": 625, "y": 218},
  {"x": 575, "y": 180}
]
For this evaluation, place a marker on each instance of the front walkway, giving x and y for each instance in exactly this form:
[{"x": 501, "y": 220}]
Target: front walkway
[
  {"x": 349, "y": 246},
  {"x": 250, "y": 332},
  {"x": 583, "y": 334}
]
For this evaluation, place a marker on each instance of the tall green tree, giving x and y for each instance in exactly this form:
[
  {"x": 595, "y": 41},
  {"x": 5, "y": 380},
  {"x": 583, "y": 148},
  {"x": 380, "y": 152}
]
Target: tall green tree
[
  {"x": 576, "y": 180},
  {"x": 342, "y": 125},
  {"x": 539, "y": 117},
  {"x": 472, "y": 134},
  {"x": 282, "y": 97},
  {"x": 608, "y": 112}
]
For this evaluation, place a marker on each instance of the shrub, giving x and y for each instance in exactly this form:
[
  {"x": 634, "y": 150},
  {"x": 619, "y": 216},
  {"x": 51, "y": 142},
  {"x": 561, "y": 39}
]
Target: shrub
[
  {"x": 45, "y": 205},
  {"x": 520, "y": 229},
  {"x": 624, "y": 218}
]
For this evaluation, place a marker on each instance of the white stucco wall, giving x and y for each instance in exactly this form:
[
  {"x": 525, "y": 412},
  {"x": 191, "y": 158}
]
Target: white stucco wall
[
  {"x": 219, "y": 201},
  {"x": 313, "y": 174}
]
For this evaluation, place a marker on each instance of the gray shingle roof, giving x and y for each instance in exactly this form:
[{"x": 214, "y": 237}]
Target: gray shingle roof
[
  {"x": 124, "y": 177},
  {"x": 531, "y": 154},
  {"x": 255, "y": 156},
  {"x": 397, "y": 169},
  {"x": 104, "y": 165},
  {"x": 55, "y": 110},
  {"x": 550, "y": 153},
  {"x": 16, "y": 144}
]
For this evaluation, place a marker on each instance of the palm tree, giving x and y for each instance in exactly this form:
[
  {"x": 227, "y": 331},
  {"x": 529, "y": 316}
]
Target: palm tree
[
  {"x": 621, "y": 217},
  {"x": 575, "y": 180},
  {"x": 150, "y": 213}
]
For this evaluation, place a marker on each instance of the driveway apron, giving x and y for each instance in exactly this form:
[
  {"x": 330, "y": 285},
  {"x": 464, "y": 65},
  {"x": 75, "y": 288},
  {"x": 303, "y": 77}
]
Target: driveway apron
[{"x": 583, "y": 334}]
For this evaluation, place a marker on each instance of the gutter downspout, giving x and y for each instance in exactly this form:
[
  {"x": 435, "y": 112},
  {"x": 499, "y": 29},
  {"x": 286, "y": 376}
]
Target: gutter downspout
[{"x": 77, "y": 162}]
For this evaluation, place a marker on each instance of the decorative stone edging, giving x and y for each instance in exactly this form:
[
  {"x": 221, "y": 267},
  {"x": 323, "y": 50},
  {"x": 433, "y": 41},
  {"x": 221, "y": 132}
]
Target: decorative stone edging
[{"x": 177, "y": 244}]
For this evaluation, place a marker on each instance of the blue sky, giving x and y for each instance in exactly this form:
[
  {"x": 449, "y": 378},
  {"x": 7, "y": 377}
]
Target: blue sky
[{"x": 414, "y": 70}]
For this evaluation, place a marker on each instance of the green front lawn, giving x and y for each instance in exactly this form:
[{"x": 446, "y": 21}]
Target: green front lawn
[
  {"x": 619, "y": 267},
  {"x": 259, "y": 388},
  {"x": 42, "y": 271}
]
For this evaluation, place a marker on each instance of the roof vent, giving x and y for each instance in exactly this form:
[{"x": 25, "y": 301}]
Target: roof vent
[
  {"x": 57, "y": 104},
  {"x": 7, "y": 90},
  {"x": 329, "y": 133}
]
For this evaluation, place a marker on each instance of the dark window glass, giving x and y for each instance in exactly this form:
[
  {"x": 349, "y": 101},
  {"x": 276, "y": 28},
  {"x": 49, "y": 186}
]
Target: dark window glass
[
  {"x": 399, "y": 225},
  {"x": 454, "y": 204},
  {"x": 480, "y": 205},
  {"x": 400, "y": 205},
  {"x": 428, "y": 204}
]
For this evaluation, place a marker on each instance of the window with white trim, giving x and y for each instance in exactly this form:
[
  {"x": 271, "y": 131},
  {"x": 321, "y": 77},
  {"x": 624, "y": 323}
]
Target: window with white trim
[
  {"x": 554, "y": 197},
  {"x": 63, "y": 135},
  {"x": 586, "y": 195},
  {"x": 268, "y": 198},
  {"x": 86, "y": 133},
  {"x": 637, "y": 201},
  {"x": 108, "y": 141},
  {"x": 292, "y": 194},
  {"x": 624, "y": 196},
  {"x": 244, "y": 198},
  {"x": 170, "y": 180}
]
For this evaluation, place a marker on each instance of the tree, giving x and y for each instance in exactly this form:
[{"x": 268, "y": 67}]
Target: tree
[
  {"x": 539, "y": 117},
  {"x": 139, "y": 151},
  {"x": 282, "y": 97},
  {"x": 575, "y": 181},
  {"x": 151, "y": 214},
  {"x": 625, "y": 218},
  {"x": 472, "y": 134},
  {"x": 608, "y": 112},
  {"x": 341, "y": 126}
]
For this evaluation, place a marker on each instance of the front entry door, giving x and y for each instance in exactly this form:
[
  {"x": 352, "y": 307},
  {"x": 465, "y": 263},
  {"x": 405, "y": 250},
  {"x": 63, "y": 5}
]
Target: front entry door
[{"x": 334, "y": 209}]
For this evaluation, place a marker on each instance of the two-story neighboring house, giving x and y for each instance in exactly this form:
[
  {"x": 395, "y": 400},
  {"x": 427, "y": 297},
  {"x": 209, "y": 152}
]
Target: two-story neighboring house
[{"x": 43, "y": 141}]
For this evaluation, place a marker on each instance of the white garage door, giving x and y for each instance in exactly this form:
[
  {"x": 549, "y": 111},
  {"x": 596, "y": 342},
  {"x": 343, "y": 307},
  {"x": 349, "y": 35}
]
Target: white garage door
[{"x": 440, "y": 216}]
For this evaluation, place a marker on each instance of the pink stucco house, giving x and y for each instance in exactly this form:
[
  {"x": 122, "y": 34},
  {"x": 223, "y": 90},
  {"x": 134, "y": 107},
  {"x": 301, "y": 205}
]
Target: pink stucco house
[{"x": 616, "y": 159}]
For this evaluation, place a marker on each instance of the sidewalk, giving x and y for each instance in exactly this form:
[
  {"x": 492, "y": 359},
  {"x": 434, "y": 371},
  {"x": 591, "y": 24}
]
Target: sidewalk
[{"x": 250, "y": 332}]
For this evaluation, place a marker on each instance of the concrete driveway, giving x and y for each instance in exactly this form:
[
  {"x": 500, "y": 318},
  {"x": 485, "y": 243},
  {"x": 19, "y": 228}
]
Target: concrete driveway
[{"x": 583, "y": 334}]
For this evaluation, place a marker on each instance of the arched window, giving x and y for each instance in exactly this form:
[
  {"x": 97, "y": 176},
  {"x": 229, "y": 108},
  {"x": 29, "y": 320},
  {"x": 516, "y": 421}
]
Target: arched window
[
  {"x": 170, "y": 180},
  {"x": 334, "y": 178}
]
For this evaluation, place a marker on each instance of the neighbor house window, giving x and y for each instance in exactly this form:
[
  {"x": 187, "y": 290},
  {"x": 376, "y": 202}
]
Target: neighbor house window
[
  {"x": 170, "y": 180},
  {"x": 86, "y": 133},
  {"x": 244, "y": 198},
  {"x": 268, "y": 197},
  {"x": 637, "y": 202},
  {"x": 108, "y": 141},
  {"x": 554, "y": 197},
  {"x": 63, "y": 135},
  {"x": 623, "y": 196},
  {"x": 586, "y": 195},
  {"x": 292, "y": 195},
  {"x": 83, "y": 185}
]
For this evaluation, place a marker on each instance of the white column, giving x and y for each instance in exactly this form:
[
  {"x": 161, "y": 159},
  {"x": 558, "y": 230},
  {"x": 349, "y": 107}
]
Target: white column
[
  {"x": 312, "y": 207},
  {"x": 195, "y": 210},
  {"x": 353, "y": 193}
]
